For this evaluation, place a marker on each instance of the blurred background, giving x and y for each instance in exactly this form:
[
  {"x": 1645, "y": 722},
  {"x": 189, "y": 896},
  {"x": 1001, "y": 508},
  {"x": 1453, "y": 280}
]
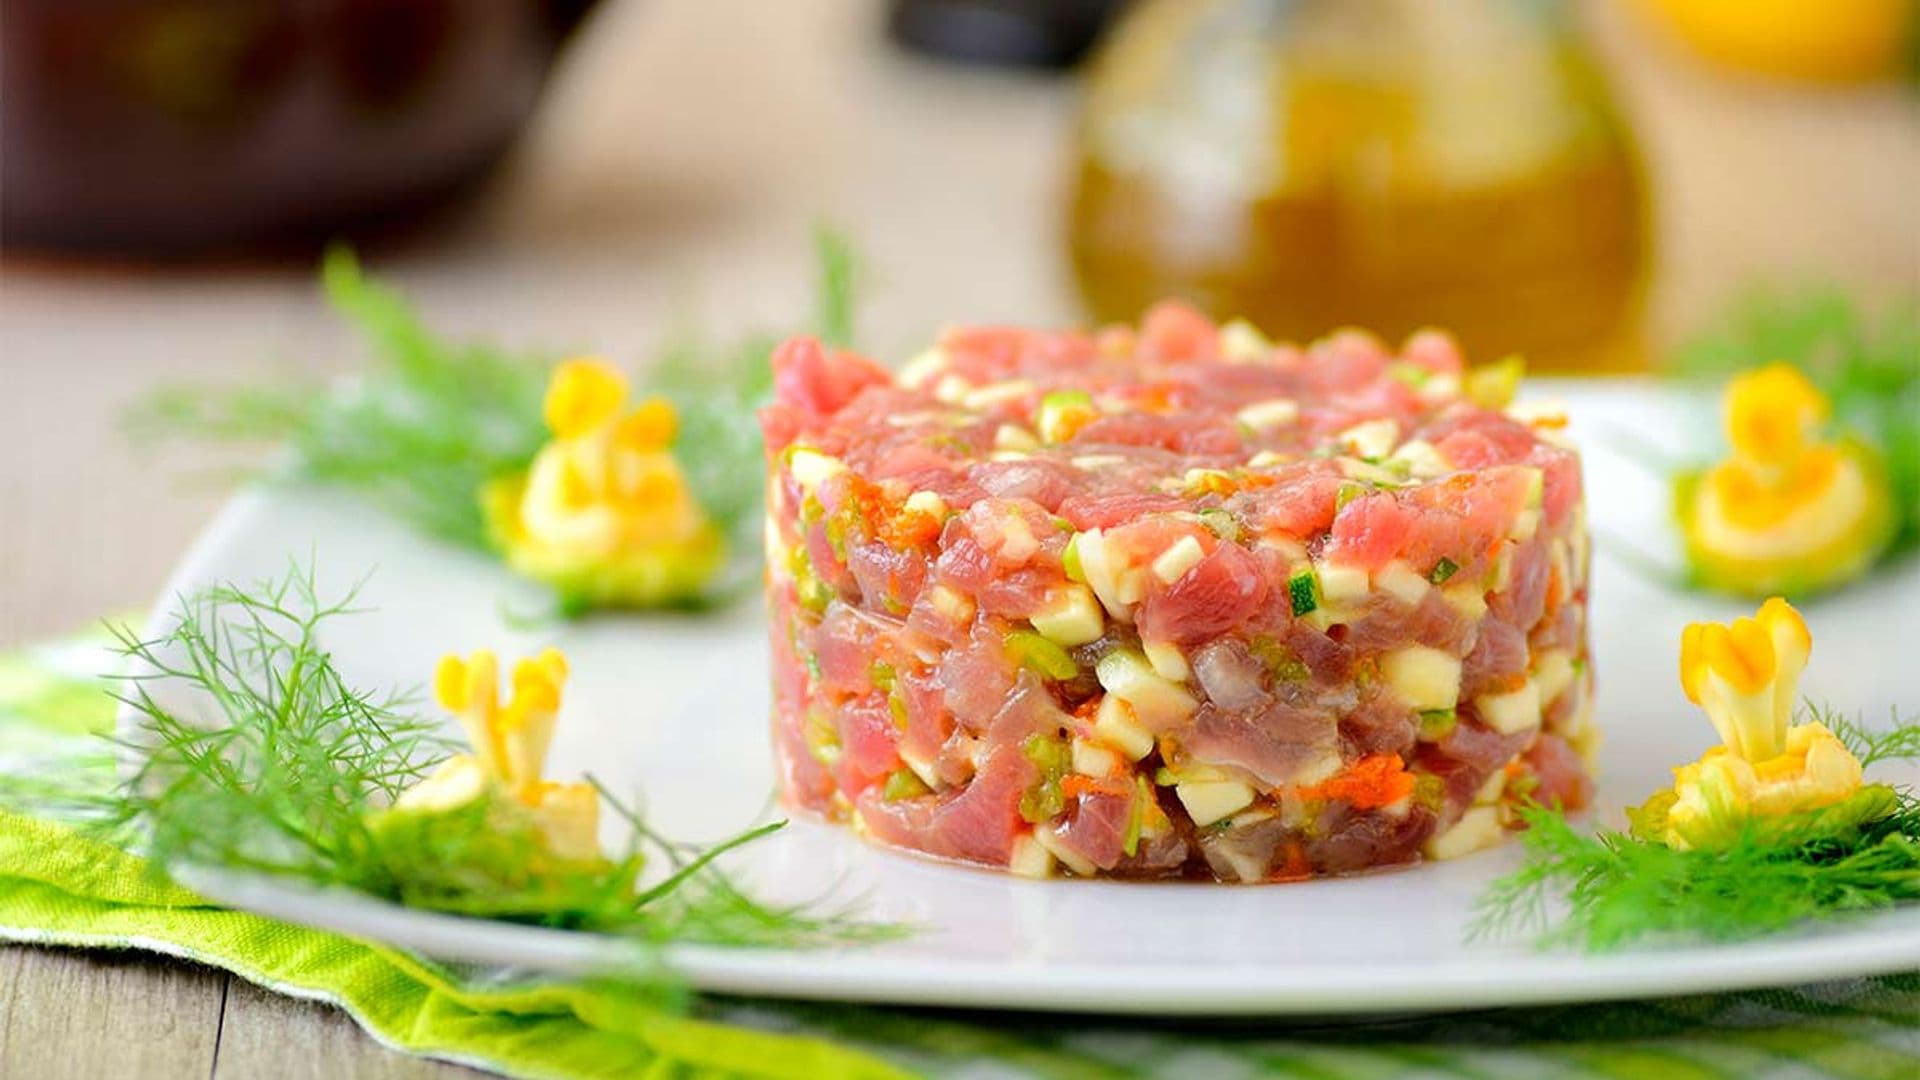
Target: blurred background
[{"x": 1577, "y": 181}]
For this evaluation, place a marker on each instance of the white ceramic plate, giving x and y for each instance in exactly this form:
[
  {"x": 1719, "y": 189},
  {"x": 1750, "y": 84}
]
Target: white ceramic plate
[{"x": 675, "y": 708}]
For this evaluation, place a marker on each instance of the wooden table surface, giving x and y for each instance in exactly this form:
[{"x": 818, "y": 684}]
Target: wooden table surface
[{"x": 685, "y": 149}]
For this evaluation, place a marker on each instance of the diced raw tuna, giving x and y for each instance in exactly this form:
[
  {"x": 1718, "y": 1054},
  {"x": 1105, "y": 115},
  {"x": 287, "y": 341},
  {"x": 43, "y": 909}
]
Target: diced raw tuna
[{"x": 1121, "y": 604}]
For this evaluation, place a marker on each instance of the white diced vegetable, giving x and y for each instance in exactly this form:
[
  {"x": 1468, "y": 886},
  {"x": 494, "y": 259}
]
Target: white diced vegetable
[
  {"x": 1425, "y": 678},
  {"x": 1402, "y": 582},
  {"x": 926, "y": 502},
  {"x": 1477, "y": 829},
  {"x": 1340, "y": 583},
  {"x": 1442, "y": 387},
  {"x": 1093, "y": 759},
  {"x": 997, "y": 393},
  {"x": 1467, "y": 598},
  {"x": 1167, "y": 660},
  {"x": 916, "y": 372},
  {"x": 1423, "y": 459},
  {"x": 810, "y": 468},
  {"x": 1156, "y": 701},
  {"x": 1272, "y": 413},
  {"x": 1017, "y": 542},
  {"x": 955, "y": 606},
  {"x": 1241, "y": 341},
  {"x": 1208, "y": 801},
  {"x": 1525, "y": 524},
  {"x": 1107, "y": 574},
  {"x": 1014, "y": 437},
  {"x": 1072, "y": 859},
  {"x": 921, "y": 767},
  {"x": 1179, "y": 558},
  {"x": 1552, "y": 673},
  {"x": 776, "y": 552},
  {"x": 1372, "y": 438},
  {"x": 1491, "y": 790},
  {"x": 1512, "y": 712},
  {"x": 1030, "y": 859},
  {"x": 1072, "y": 617},
  {"x": 1114, "y": 723}
]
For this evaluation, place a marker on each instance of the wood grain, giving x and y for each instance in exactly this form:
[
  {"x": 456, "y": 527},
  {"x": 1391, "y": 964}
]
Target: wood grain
[
  {"x": 686, "y": 149},
  {"x": 266, "y": 1035},
  {"x": 88, "y": 1014}
]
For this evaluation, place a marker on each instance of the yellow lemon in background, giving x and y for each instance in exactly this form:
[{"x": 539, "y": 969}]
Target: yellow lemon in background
[{"x": 1825, "y": 40}]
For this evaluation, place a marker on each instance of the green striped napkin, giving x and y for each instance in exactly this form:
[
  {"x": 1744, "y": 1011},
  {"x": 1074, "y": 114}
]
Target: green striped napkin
[{"x": 59, "y": 887}]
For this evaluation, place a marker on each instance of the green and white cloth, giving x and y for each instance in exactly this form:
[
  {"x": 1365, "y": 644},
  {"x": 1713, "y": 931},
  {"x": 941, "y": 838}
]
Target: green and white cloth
[{"x": 61, "y": 887}]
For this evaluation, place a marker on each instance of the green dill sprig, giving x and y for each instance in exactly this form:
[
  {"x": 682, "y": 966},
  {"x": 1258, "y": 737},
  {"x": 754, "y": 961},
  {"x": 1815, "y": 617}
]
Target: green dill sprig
[
  {"x": 417, "y": 434},
  {"x": 1604, "y": 889},
  {"x": 430, "y": 421},
  {"x": 255, "y": 754},
  {"x": 1866, "y": 361}
]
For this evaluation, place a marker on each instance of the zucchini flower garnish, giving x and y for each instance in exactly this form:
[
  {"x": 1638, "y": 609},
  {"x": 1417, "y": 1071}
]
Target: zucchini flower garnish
[
  {"x": 1789, "y": 783},
  {"x": 509, "y": 752},
  {"x": 604, "y": 514},
  {"x": 1786, "y": 512}
]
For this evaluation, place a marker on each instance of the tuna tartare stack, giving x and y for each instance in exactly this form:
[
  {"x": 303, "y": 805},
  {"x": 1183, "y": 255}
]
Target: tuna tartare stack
[{"x": 1172, "y": 602}]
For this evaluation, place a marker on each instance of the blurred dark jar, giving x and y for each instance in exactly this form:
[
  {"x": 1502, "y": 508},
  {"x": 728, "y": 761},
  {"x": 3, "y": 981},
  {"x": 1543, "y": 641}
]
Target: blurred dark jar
[{"x": 174, "y": 127}]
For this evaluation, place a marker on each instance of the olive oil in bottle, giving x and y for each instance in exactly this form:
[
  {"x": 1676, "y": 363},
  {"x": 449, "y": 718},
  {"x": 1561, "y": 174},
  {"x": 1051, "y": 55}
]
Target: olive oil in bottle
[{"x": 1389, "y": 164}]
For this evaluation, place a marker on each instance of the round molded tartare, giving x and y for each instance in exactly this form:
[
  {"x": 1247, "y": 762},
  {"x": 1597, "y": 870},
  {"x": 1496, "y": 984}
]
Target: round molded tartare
[{"x": 1171, "y": 602}]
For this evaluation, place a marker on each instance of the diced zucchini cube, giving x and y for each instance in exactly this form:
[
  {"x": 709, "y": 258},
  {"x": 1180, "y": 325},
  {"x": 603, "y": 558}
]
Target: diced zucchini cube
[
  {"x": 1424, "y": 677},
  {"x": 1014, "y": 437},
  {"x": 1272, "y": 413},
  {"x": 1423, "y": 459},
  {"x": 1068, "y": 857},
  {"x": 1467, "y": 598},
  {"x": 1491, "y": 789},
  {"x": 811, "y": 468},
  {"x": 1553, "y": 674},
  {"x": 1105, "y": 573},
  {"x": 1303, "y": 591},
  {"x": 1342, "y": 584},
  {"x": 1525, "y": 524},
  {"x": 1072, "y": 617},
  {"x": 1372, "y": 438},
  {"x": 1477, "y": 829},
  {"x": 1179, "y": 558},
  {"x": 996, "y": 393},
  {"x": 1402, "y": 582},
  {"x": 1156, "y": 701},
  {"x": 1061, "y": 412},
  {"x": 1093, "y": 759},
  {"x": 1208, "y": 801},
  {"x": 1114, "y": 723},
  {"x": 916, "y": 372},
  {"x": 1030, "y": 858},
  {"x": 955, "y": 606},
  {"x": 1512, "y": 712},
  {"x": 1167, "y": 660},
  {"x": 1536, "y": 489},
  {"x": 922, "y": 768},
  {"x": 1241, "y": 342},
  {"x": 927, "y": 502}
]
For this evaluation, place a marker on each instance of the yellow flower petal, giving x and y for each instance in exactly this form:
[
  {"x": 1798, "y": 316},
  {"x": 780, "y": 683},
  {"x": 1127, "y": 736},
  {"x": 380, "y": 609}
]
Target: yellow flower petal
[
  {"x": 1771, "y": 413},
  {"x": 585, "y": 394},
  {"x": 1792, "y": 641},
  {"x": 1693, "y": 661},
  {"x": 1741, "y": 654},
  {"x": 651, "y": 426}
]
